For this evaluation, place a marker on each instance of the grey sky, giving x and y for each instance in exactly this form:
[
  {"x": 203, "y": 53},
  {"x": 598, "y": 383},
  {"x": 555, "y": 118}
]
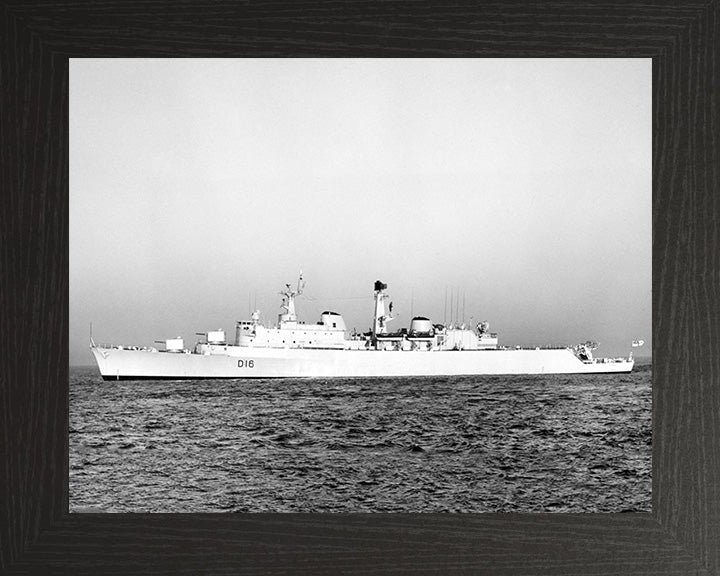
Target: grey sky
[{"x": 196, "y": 184}]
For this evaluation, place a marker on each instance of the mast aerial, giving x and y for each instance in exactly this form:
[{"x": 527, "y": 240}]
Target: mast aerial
[{"x": 289, "y": 301}]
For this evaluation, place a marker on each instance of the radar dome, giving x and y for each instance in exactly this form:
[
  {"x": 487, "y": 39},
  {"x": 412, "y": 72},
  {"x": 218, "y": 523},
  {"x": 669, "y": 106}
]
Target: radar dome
[{"x": 420, "y": 324}]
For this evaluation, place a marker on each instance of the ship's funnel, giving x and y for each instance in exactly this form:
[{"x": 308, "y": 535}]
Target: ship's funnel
[{"x": 379, "y": 286}]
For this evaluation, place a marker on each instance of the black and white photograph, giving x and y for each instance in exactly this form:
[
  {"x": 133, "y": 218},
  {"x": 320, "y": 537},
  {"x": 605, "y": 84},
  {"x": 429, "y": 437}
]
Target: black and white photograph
[{"x": 360, "y": 285}]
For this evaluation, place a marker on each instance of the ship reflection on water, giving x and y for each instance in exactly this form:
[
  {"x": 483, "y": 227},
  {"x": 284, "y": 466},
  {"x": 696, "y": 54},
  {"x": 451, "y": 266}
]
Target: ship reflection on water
[{"x": 560, "y": 443}]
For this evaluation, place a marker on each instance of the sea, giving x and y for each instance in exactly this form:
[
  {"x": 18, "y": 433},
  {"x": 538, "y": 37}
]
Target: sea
[{"x": 546, "y": 443}]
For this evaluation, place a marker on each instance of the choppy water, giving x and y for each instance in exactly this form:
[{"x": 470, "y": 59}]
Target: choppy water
[{"x": 578, "y": 443}]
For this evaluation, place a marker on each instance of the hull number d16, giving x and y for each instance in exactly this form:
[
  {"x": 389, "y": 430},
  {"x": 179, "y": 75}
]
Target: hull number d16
[{"x": 246, "y": 363}]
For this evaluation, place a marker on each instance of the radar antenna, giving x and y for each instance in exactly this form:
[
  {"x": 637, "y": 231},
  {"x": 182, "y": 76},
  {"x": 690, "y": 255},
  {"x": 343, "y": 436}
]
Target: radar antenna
[{"x": 300, "y": 284}]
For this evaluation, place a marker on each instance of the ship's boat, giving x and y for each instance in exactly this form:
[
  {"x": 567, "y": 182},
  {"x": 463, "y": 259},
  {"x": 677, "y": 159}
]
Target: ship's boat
[{"x": 294, "y": 349}]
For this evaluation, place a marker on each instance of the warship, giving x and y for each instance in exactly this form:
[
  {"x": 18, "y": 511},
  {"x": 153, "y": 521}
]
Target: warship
[{"x": 295, "y": 349}]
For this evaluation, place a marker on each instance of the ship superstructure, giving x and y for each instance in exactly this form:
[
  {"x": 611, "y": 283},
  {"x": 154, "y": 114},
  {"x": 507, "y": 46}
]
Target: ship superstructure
[{"x": 292, "y": 348}]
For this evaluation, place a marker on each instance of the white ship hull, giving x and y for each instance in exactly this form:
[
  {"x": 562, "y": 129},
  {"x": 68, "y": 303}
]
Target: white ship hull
[{"x": 246, "y": 362}]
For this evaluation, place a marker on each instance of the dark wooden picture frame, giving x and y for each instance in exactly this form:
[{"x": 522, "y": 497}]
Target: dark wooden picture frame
[{"x": 680, "y": 536}]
